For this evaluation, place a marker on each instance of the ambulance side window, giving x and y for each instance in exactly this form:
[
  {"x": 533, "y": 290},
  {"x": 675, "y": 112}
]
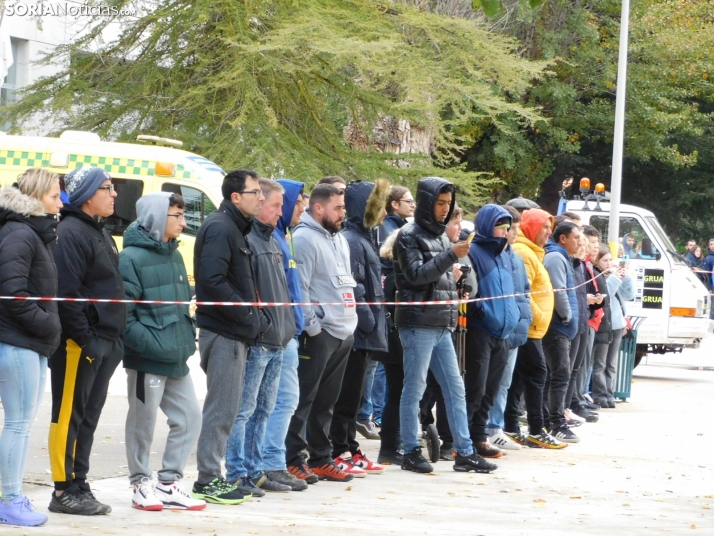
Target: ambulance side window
[
  {"x": 634, "y": 242},
  {"x": 198, "y": 205},
  {"x": 128, "y": 193}
]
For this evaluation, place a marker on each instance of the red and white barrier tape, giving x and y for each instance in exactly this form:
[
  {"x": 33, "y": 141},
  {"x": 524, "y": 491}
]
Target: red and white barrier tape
[{"x": 286, "y": 304}]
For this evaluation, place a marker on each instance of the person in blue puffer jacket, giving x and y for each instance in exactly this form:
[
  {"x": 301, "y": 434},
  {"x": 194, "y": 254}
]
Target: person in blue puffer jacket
[
  {"x": 516, "y": 339},
  {"x": 490, "y": 322}
]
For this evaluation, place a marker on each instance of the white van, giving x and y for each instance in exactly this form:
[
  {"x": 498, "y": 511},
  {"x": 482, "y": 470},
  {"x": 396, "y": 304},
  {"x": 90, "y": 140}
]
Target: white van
[{"x": 674, "y": 302}]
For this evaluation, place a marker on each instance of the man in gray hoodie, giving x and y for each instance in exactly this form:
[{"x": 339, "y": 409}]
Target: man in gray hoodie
[{"x": 323, "y": 259}]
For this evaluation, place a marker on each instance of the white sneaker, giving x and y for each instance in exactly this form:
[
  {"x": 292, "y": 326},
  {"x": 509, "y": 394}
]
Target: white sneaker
[
  {"x": 175, "y": 498},
  {"x": 144, "y": 497},
  {"x": 499, "y": 439},
  {"x": 570, "y": 416}
]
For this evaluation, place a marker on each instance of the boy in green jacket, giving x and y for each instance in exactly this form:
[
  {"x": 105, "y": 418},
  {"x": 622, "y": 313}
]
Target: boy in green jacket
[{"x": 159, "y": 340}]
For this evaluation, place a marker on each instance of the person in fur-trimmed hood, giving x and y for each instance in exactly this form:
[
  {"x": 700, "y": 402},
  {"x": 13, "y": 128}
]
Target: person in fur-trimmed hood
[
  {"x": 29, "y": 330},
  {"x": 365, "y": 203}
]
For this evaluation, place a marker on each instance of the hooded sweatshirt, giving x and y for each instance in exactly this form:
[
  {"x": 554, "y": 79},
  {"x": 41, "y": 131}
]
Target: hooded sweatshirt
[
  {"x": 283, "y": 235},
  {"x": 423, "y": 261},
  {"x": 494, "y": 272},
  {"x": 371, "y": 332},
  {"x": 629, "y": 251},
  {"x": 323, "y": 261},
  {"x": 560, "y": 268},
  {"x": 159, "y": 339},
  {"x": 542, "y": 302}
]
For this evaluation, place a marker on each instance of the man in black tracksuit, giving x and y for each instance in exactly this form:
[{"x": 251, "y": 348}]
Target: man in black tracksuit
[
  {"x": 371, "y": 332},
  {"x": 91, "y": 345}
]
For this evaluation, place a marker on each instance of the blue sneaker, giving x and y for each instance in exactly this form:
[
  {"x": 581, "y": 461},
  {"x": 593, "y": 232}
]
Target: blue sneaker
[{"x": 21, "y": 512}]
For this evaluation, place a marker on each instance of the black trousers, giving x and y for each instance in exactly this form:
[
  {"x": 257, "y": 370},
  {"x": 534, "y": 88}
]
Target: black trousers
[
  {"x": 323, "y": 359},
  {"x": 433, "y": 397},
  {"x": 556, "y": 348},
  {"x": 80, "y": 381},
  {"x": 528, "y": 381},
  {"x": 342, "y": 430},
  {"x": 578, "y": 351},
  {"x": 486, "y": 358},
  {"x": 391, "y": 438}
]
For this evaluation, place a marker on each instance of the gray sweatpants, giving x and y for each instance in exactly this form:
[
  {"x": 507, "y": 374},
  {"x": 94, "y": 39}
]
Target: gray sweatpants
[
  {"x": 177, "y": 399},
  {"x": 223, "y": 361}
]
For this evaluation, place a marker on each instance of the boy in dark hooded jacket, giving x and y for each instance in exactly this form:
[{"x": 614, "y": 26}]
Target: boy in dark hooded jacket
[
  {"x": 159, "y": 340},
  {"x": 364, "y": 202},
  {"x": 490, "y": 322}
]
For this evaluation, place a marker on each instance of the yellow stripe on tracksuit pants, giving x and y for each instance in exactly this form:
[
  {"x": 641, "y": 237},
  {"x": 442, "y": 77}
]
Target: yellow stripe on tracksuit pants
[{"x": 80, "y": 380}]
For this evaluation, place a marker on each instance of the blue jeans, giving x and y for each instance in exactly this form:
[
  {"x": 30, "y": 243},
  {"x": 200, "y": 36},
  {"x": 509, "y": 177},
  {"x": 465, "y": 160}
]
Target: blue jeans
[
  {"x": 22, "y": 384},
  {"x": 424, "y": 349},
  {"x": 260, "y": 390},
  {"x": 367, "y": 408},
  {"x": 495, "y": 416},
  {"x": 288, "y": 396},
  {"x": 379, "y": 392}
]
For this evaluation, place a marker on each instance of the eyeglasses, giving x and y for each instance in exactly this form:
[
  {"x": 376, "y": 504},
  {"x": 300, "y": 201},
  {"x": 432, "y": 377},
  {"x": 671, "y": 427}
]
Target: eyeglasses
[
  {"x": 410, "y": 202},
  {"x": 109, "y": 188},
  {"x": 252, "y": 192},
  {"x": 179, "y": 217}
]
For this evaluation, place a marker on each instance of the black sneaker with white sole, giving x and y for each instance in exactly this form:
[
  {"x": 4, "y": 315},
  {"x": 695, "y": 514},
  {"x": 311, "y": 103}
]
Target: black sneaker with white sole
[
  {"x": 473, "y": 462},
  {"x": 589, "y": 416},
  {"x": 76, "y": 502},
  {"x": 565, "y": 434},
  {"x": 415, "y": 462}
]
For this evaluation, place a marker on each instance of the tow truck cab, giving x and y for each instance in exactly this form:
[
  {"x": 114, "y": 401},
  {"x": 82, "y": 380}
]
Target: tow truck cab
[{"x": 674, "y": 302}]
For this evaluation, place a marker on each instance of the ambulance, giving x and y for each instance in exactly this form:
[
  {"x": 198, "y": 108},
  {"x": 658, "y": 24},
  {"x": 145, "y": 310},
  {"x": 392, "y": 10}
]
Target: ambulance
[
  {"x": 153, "y": 164},
  {"x": 674, "y": 303}
]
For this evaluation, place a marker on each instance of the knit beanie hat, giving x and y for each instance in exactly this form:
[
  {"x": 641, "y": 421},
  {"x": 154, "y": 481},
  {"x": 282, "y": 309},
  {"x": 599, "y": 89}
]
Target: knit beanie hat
[{"x": 83, "y": 182}]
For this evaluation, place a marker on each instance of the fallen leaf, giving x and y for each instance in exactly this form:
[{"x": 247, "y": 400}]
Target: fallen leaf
[
  {"x": 576, "y": 497},
  {"x": 348, "y": 488},
  {"x": 705, "y": 506},
  {"x": 625, "y": 504},
  {"x": 539, "y": 500},
  {"x": 692, "y": 526}
]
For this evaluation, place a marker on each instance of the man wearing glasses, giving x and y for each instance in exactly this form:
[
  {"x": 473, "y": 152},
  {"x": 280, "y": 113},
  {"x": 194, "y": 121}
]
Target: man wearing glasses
[
  {"x": 91, "y": 346},
  {"x": 224, "y": 273}
]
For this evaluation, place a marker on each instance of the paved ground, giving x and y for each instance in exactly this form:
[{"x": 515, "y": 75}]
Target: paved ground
[{"x": 646, "y": 467}]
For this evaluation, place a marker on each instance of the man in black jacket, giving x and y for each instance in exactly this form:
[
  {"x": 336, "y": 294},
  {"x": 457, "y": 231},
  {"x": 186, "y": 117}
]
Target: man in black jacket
[
  {"x": 365, "y": 207},
  {"x": 224, "y": 273},
  {"x": 424, "y": 271},
  {"x": 91, "y": 345},
  {"x": 262, "y": 373}
]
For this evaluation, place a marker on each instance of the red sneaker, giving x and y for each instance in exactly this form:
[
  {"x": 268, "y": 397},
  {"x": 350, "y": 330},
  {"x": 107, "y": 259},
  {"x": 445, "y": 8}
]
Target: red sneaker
[
  {"x": 368, "y": 466},
  {"x": 346, "y": 466}
]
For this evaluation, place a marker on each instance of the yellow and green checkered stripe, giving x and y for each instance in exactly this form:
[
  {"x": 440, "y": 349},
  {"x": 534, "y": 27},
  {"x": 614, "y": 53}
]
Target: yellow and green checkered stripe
[
  {"x": 26, "y": 159},
  {"x": 131, "y": 166}
]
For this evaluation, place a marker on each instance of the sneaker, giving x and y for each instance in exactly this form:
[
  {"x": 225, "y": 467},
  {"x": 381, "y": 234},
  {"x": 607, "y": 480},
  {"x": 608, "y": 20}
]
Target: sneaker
[
  {"x": 473, "y": 462},
  {"x": 20, "y": 512},
  {"x": 487, "y": 450},
  {"x": 523, "y": 419},
  {"x": 500, "y": 440},
  {"x": 377, "y": 422},
  {"x": 446, "y": 453},
  {"x": 332, "y": 473},
  {"x": 346, "y": 466},
  {"x": 218, "y": 491},
  {"x": 563, "y": 433},
  {"x": 367, "y": 429},
  {"x": 74, "y": 502},
  {"x": 174, "y": 497},
  {"x": 268, "y": 484},
  {"x": 572, "y": 416},
  {"x": 414, "y": 461},
  {"x": 588, "y": 398},
  {"x": 390, "y": 457},
  {"x": 517, "y": 437},
  {"x": 86, "y": 492},
  {"x": 589, "y": 416},
  {"x": 592, "y": 407},
  {"x": 302, "y": 472},
  {"x": 144, "y": 497},
  {"x": 545, "y": 441},
  {"x": 284, "y": 477},
  {"x": 246, "y": 486},
  {"x": 368, "y": 466},
  {"x": 573, "y": 424}
]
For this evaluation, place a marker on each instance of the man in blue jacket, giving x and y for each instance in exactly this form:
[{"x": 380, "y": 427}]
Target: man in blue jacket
[
  {"x": 564, "y": 243},
  {"x": 288, "y": 388},
  {"x": 490, "y": 322},
  {"x": 516, "y": 339}
]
